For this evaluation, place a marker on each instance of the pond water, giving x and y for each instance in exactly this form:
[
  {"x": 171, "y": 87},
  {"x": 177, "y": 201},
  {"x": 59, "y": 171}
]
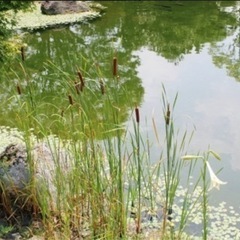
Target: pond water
[{"x": 192, "y": 48}]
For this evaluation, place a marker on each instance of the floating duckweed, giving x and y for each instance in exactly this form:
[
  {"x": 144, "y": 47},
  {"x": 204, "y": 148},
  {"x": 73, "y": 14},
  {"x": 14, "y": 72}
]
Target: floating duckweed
[
  {"x": 36, "y": 20},
  {"x": 8, "y": 136}
]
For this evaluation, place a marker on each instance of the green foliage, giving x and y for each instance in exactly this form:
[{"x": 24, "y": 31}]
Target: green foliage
[
  {"x": 6, "y": 23},
  {"x": 14, "y": 5},
  {"x": 108, "y": 180},
  {"x": 4, "y": 20},
  {"x": 5, "y": 230}
]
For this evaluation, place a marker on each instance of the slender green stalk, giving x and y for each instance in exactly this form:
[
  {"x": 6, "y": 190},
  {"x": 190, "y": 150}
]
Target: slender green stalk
[
  {"x": 205, "y": 199},
  {"x": 139, "y": 168}
]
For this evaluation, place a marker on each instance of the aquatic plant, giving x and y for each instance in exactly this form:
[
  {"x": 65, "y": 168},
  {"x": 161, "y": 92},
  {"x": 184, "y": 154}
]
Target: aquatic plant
[{"x": 114, "y": 189}]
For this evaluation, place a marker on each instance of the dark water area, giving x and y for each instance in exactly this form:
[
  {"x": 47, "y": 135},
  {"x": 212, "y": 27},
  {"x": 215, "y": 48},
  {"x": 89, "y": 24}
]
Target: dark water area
[{"x": 192, "y": 48}]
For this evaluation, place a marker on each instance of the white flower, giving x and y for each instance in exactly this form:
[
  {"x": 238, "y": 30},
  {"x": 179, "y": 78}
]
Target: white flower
[{"x": 215, "y": 181}]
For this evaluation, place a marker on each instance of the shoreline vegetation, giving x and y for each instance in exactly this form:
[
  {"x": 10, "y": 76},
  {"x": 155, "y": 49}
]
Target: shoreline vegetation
[
  {"x": 33, "y": 19},
  {"x": 139, "y": 200}
]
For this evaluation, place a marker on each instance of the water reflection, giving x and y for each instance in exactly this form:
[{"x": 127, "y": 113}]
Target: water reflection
[
  {"x": 207, "y": 99},
  {"x": 207, "y": 103},
  {"x": 226, "y": 54},
  {"x": 177, "y": 43},
  {"x": 172, "y": 29}
]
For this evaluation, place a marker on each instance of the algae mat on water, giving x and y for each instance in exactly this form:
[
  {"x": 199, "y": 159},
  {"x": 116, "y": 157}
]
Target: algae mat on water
[{"x": 34, "y": 19}]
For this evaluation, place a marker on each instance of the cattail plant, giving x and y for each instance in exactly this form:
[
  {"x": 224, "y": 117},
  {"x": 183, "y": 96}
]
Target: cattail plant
[
  {"x": 172, "y": 166},
  {"x": 97, "y": 191},
  {"x": 139, "y": 169}
]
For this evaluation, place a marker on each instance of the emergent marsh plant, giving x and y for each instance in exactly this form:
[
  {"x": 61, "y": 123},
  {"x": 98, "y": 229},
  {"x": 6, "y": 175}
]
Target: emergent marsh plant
[{"x": 114, "y": 189}]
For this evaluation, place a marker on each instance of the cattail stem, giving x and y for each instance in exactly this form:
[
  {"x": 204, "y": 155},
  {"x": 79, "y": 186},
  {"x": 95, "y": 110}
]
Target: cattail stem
[
  {"x": 78, "y": 87},
  {"x": 115, "y": 66}
]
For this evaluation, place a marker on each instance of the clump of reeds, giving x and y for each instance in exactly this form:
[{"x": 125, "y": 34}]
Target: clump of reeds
[{"x": 92, "y": 199}]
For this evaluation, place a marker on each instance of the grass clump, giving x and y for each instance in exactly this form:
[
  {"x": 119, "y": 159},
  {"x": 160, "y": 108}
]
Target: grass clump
[{"x": 98, "y": 179}]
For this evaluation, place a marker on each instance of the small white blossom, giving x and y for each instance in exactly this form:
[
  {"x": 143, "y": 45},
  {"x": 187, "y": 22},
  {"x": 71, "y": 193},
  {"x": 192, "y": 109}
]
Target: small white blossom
[{"x": 215, "y": 181}]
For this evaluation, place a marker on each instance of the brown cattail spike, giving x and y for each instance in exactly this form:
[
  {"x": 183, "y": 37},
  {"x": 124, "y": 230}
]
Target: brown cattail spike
[
  {"x": 22, "y": 53},
  {"x": 137, "y": 115},
  {"x": 102, "y": 87},
  {"x": 70, "y": 99},
  {"x": 19, "y": 89},
  {"x": 80, "y": 78},
  {"x": 168, "y": 115},
  {"x": 115, "y": 66}
]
